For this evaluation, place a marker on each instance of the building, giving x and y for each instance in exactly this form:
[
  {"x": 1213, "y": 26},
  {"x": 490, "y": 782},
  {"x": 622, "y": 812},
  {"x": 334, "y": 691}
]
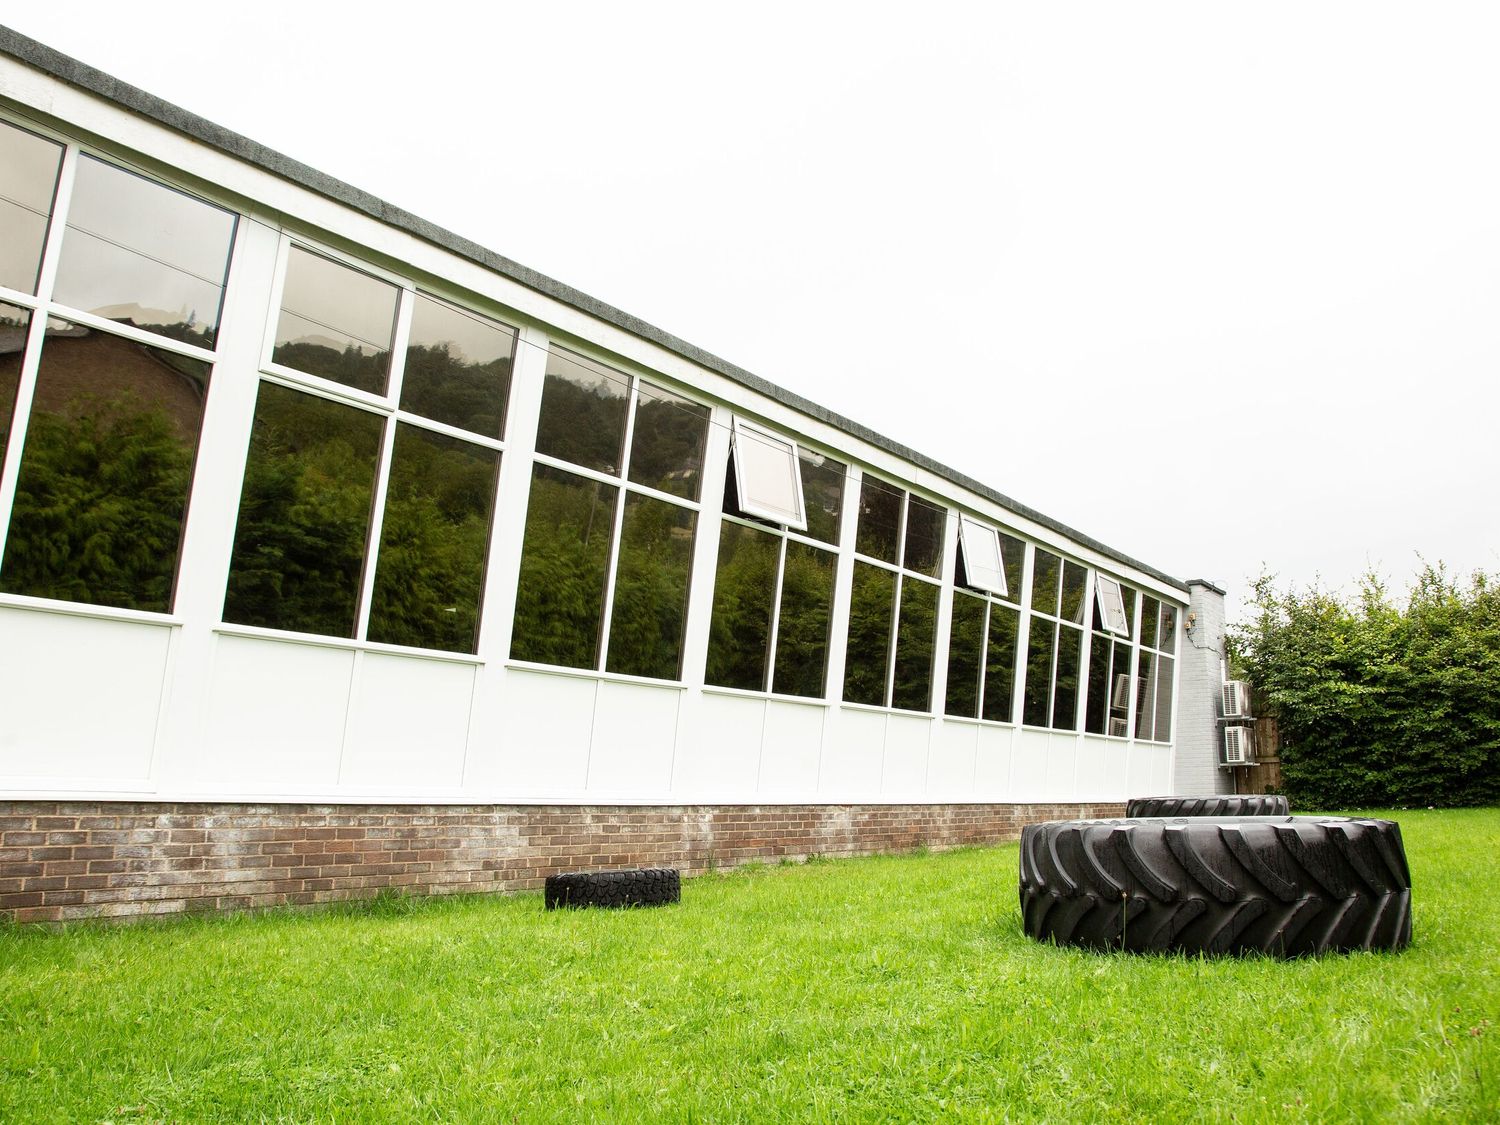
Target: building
[{"x": 337, "y": 552}]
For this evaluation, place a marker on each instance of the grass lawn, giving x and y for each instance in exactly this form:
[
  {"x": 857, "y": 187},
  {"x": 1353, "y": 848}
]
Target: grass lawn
[{"x": 887, "y": 989}]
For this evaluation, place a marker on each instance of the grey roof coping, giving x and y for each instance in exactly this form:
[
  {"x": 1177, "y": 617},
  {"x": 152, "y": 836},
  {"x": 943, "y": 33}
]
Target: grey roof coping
[
  {"x": 87, "y": 78},
  {"x": 1206, "y": 584}
]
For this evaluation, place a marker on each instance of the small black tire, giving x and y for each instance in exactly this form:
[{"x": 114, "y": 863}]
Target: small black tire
[
  {"x": 1260, "y": 805},
  {"x": 651, "y": 886},
  {"x": 1288, "y": 886}
]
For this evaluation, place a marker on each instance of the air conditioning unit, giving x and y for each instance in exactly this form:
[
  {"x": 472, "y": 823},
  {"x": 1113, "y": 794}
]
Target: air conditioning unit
[
  {"x": 1120, "y": 700},
  {"x": 1239, "y": 746},
  {"x": 1236, "y": 699},
  {"x": 1119, "y": 728}
]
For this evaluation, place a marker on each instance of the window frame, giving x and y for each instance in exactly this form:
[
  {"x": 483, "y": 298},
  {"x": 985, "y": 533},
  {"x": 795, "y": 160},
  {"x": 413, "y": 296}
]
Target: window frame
[
  {"x": 743, "y": 431},
  {"x": 996, "y": 585}
]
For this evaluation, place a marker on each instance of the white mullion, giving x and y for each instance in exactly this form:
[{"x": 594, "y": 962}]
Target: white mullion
[
  {"x": 1023, "y": 634},
  {"x": 890, "y": 655},
  {"x": 703, "y": 574},
  {"x": 584, "y": 471},
  {"x": 770, "y": 677},
  {"x": 843, "y": 586},
  {"x": 617, "y": 532},
  {"x": 132, "y": 333},
  {"x": 1085, "y": 653},
  {"x": 937, "y": 699},
  {"x": 417, "y": 421},
  {"x": 984, "y": 658},
  {"x": 10, "y": 471},
  {"x": 17, "y": 298}
]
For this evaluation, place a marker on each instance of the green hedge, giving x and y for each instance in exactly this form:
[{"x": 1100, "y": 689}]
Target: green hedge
[{"x": 1378, "y": 704}]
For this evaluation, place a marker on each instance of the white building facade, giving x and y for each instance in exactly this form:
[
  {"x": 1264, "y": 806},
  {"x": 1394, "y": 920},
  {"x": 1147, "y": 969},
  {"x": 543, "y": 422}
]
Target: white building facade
[{"x": 306, "y": 503}]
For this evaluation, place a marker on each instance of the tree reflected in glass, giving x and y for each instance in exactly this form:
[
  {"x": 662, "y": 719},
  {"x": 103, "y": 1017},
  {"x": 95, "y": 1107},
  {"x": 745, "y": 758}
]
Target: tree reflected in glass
[
  {"x": 651, "y": 588},
  {"x": 744, "y": 590},
  {"x": 965, "y": 655},
  {"x": 806, "y": 616},
  {"x": 872, "y": 605}
]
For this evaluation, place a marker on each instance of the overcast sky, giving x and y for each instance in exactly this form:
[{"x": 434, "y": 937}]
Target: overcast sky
[{"x": 1218, "y": 285}]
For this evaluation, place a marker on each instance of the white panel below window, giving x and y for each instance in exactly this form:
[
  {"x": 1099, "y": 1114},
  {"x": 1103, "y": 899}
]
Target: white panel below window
[
  {"x": 545, "y": 725},
  {"x": 635, "y": 731},
  {"x": 1092, "y": 778},
  {"x": 1029, "y": 771},
  {"x": 853, "y": 755},
  {"x": 1062, "y": 768},
  {"x": 410, "y": 724},
  {"x": 904, "y": 775},
  {"x": 950, "y": 769},
  {"x": 275, "y": 717},
  {"x": 718, "y": 747},
  {"x": 1117, "y": 772},
  {"x": 992, "y": 765},
  {"x": 79, "y": 696},
  {"x": 1141, "y": 781},
  {"x": 792, "y": 748}
]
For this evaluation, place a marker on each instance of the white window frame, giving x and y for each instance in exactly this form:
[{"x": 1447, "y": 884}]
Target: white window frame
[
  {"x": 1111, "y": 613},
  {"x": 973, "y": 538},
  {"x": 791, "y": 519}
]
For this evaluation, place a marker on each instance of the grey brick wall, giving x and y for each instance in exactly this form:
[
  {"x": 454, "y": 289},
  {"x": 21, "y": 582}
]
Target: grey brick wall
[{"x": 1196, "y": 770}]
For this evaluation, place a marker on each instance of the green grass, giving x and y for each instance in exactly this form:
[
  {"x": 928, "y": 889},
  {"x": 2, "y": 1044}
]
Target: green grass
[{"x": 896, "y": 988}]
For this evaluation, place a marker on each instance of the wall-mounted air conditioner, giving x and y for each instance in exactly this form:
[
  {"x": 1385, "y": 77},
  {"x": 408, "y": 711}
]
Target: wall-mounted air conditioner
[
  {"x": 1236, "y": 699},
  {"x": 1239, "y": 746},
  {"x": 1120, "y": 700},
  {"x": 1119, "y": 728}
]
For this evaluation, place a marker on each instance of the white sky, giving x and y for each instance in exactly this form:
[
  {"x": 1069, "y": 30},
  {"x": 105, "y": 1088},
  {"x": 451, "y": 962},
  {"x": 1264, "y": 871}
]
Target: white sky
[{"x": 1215, "y": 284}]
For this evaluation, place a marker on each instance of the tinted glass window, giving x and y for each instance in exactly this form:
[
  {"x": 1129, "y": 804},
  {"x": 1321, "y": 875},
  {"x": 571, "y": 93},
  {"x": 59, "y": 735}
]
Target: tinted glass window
[
  {"x": 430, "y": 570},
  {"x": 666, "y": 445},
  {"x": 1045, "y": 572},
  {"x": 105, "y": 471},
  {"x": 1150, "y": 608},
  {"x": 335, "y": 322},
  {"x": 1000, "y": 665},
  {"x": 560, "y": 594},
  {"x": 924, "y": 537},
  {"x": 1145, "y": 695},
  {"x": 304, "y": 521},
  {"x": 1166, "y": 637},
  {"x": 879, "y": 529},
  {"x": 823, "y": 492},
  {"x": 1074, "y": 579},
  {"x": 651, "y": 588},
  {"x": 14, "y": 324},
  {"x": 1096, "y": 706},
  {"x": 1013, "y": 555},
  {"x": 871, "y": 614},
  {"x": 141, "y": 253},
  {"x": 744, "y": 589},
  {"x": 916, "y": 637},
  {"x": 28, "y": 182},
  {"x": 1038, "y": 673},
  {"x": 806, "y": 614},
  {"x": 458, "y": 368},
  {"x": 583, "y": 412},
  {"x": 1065, "y": 690},
  {"x": 965, "y": 655},
  {"x": 1163, "y": 732}
]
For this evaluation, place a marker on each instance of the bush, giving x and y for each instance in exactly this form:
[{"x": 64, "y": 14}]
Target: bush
[{"x": 1379, "y": 705}]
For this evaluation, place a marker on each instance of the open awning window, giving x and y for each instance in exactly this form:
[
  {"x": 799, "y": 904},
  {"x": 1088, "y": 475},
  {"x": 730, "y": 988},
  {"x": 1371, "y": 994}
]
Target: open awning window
[
  {"x": 1111, "y": 605},
  {"x": 984, "y": 568},
  {"x": 766, "y": 476}
]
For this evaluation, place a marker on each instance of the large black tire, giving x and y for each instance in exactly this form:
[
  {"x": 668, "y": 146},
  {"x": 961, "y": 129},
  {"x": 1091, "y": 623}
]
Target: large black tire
[
  {"x": 654, "y": 886},
  {"x": 1208, "y": 806},
  {"x": 1286, "y": 886}
]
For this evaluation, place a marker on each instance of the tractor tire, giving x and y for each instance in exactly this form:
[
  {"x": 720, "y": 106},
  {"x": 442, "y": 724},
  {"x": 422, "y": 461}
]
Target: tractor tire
[
  {"x": 654, "y": 886},
  {"x": 1290, "y": 886},
  {"x": 1207, "y": 806}
]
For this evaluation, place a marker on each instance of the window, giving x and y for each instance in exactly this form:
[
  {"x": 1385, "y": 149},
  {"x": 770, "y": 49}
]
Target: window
[
  {"x": 767, "y": 483},
  {"x": 367, "y": 515},
  {"x": 1107, "y": 710},
  {"x": 1055, "y": 642},
  {"x": 893, "y": 605},
  {"x": 1153, "y": 711},
  {"x": 610, "y": 522},
  {"x": 773, "y": 590},
  {"x": 982, "y": 635},
  {"x": 102, "y": 434},
  {"x": 980, "y": 547}
]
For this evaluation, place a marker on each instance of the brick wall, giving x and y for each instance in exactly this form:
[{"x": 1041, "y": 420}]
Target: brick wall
[{"x": 65, "y": 860}]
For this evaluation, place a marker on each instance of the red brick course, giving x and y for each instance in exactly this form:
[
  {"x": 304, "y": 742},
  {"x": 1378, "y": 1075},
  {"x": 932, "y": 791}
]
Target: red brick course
[{"x": 61, "y": 860}]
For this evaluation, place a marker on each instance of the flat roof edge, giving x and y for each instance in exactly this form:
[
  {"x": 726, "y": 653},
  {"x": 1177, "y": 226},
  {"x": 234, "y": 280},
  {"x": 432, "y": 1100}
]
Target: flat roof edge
[{"x": 68, "y": 69}]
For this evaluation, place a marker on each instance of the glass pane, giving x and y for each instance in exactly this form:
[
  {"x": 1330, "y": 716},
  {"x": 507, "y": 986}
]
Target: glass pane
[
  {"x": 1163, "y": 732},
  {"x": 980, "y": 547},
  {"x": 1065, "y": 692},
  {"x": 457, "y": 368},
  {"x": 1046, "y": 571},
  {"x": 651, "y": 589},
  {"x": 1145, "y": 695},
  {"x": 916, "y": 640},
  {"x": 1127, "y": 595},
  {"x": 879, "y": 529},
  {"x": 872, "y": 605},
  {"x": 430, "y": 572},
  {"x": 14, "y": 323},
  {"x": 28, "y": 182},
  {"x": 583, "y": 412},
  {"x": 744, "y": 591},
  {"x": 564, "y": 556},
  {"x": 335, "y": 322},
  {"x": 1166, "y": 638},
  {"x": 1150, "y": 608},
  {"x": 965, "y": 655},
  {"x": 1119, "y": 691},
  {"x": 1096, "y": 708},
  {"x": 924, "y": 537},
  {"x": 299, "y": 547},
  {"x": 806, "y": 614},
  {"x": 105, "y": 471},
  {"x": 1074, "y": 579},
  {"x": 141, "y": 253},
  {"x": 823, "y": 492},
  {"x": 1013, "y": 554},
  {"x": 666, "y": 446},
  {"x": 1000, "y": 665},
  {"x": 1038, "y": 673}
]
